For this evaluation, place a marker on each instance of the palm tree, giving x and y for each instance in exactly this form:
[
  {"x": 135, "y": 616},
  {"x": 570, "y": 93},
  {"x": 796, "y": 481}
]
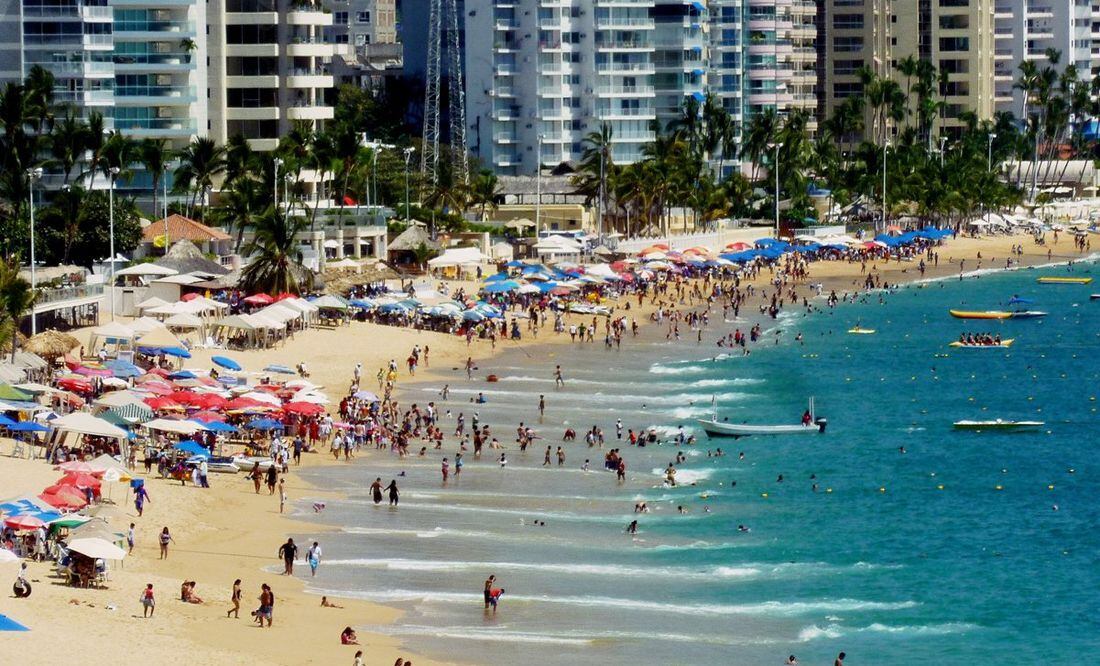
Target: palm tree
[
  {"x": 596, "y": 164},
  {"x": 16, "y": 298},
  {"x": 239, "y": 205},
  {"x": 200, "y": 163},
  {"x": 69, "y": 142},
  {"x": 153, "y": 154},
  {"x": 483, "y": 192},
  {"x": 276, "y": 257}
]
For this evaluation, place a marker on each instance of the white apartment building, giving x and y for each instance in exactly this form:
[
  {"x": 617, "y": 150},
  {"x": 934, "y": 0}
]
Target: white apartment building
[
  {"x": 269, "y": 66},
  {"x": 545, "y": 73},
  {"x": 681, "y": 57},
  {"x": 369, "y": 28},
  {"x": 1025, "y": 29}
]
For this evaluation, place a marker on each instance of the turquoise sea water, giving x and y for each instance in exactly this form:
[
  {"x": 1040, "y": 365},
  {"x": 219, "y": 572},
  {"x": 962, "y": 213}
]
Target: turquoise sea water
[{"x": 879, "y": 561}]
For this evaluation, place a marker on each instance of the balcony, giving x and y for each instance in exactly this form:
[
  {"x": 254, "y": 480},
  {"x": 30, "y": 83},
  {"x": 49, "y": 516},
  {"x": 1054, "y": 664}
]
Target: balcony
[
  {"x": 505, "y": 24},
  {"x": 506, "y": 113},
  {"x": 624, "y": 23},
  {"x": 309, "y": 47},
  {"x": 624, "y": 45},
  {"x": 505, "y": 138},
  {"x": 1040, "y": 11},
  {"x": 86, "y": 97},
  {"x": 153, "y": 30},
  {"x": 626, "y": 68},
  {"x": 157, "y": 128},
  {"x": 304, "y": 78},
  {"x": 307, "y": 112},
  {"x": 506, "y": 159},
  {"x": 624, "y": 3},
  {"x": 625, "y": 91},
  {"x": 152, "y": 3},
  {"x": 503, "y": 91},
  {"x": 48, "y": 300},
  {"x": 644, "y": 112},
  {"x": 506, "y": 46},
  {"x": 86, "y": 69},
  {"x": 154, "y": 95}
]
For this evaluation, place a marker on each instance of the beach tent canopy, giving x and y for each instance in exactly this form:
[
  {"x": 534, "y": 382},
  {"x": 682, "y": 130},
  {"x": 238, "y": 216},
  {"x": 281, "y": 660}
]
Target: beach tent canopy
[
  {"x": 183, "y": 320},
  {"x": 151, "y": 302},
  {"x": 83, "y": 423},
  {"x": 147, "y": 269},
  {"x": 330, "y": 302},
  {"x": 459, "y": 256},
  {"x": 173, "y": 425},
  {"x": 159, "y": 339},
  {"x": 237, "y": 322}
]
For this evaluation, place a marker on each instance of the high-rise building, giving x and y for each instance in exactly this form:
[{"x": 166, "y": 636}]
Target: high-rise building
[
  {"x": 681, "y": 58},
  {"x": 545, "y": 73},
  {"x": 779, "y": 56},
  {"x": 1025, "y": 29},
  {"x": 369, "y": 28},
  {"x": 269, "y": 67},
  {"x": 855, "y": 35}
]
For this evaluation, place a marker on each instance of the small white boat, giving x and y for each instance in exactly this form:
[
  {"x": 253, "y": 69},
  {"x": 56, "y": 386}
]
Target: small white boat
[
  {"x": 716, "y": 428},
  {"x": 998, "y": 424},
  {"x": 1027, "y": 314},
  {"x": 246, "y": 463}
]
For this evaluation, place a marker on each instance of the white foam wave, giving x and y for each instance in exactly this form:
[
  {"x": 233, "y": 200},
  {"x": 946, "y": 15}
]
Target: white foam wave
[
  {"x": 686, "y": 476},
  {"x": 715, "y": 383},
  {"x": 659, "y": 369},
  {"x": 690, "y": 412},
  {"x": 398, "y": 564},
  {"x": 834, "y": 631}
]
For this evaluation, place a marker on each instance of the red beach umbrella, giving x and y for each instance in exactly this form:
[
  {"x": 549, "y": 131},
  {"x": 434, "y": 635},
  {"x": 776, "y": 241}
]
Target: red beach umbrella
[
  {"x": 162, "y": 402},
  {"x": 24, "y": 523},
  {"x": 65, "y": 501},
  {"x": 75, "y": 384},
  {"x": 259, "y": 299},
  {"x": 189, "y": 297},
  {"x": 304, "y": 408},
  {"x": 80, "y": 480}
]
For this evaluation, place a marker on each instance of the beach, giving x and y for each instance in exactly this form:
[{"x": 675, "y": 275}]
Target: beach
[{"x": 229, "y": 532}]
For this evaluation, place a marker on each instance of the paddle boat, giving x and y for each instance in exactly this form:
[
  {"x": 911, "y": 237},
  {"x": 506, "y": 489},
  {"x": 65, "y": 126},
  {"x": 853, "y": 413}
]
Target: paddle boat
[
  {"x": 810, "y": 425},
  {"x": 998, "y": 424},
  {"x": 1064, "y": 280},
  {"x": 1094, "y": 297},
  {"x": 979, "y": 345},
  {"x": 988, "y": 314},
  {"x": 1021, "y": 311},
  {"x": 861, "y": 331}
]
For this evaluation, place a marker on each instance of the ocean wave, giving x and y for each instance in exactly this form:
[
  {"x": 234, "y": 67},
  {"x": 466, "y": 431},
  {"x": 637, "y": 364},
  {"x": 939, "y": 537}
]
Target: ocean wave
[
  {"x": 690, "y": 412},
  {"x": 398, "y": 564},
  {"x": 715, "y": 383},
  {"x": 766, "y": 608},
  {"x": 695, "y": 545},
  {"x": 686, "y": 476},
  {"x": 661, "y": 369},
  {"x": 571, "y": 637},
  {"x": 834, "y": 631}
]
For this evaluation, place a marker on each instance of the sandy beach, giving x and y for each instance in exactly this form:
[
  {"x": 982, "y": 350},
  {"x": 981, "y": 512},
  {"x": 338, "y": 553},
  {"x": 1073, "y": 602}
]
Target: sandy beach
[{"x": 228, "y": 531}]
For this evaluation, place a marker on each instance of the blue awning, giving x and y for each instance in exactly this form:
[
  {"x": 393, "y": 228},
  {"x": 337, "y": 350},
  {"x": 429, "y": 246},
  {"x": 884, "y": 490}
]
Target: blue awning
[{"x": 699, "y": 97}]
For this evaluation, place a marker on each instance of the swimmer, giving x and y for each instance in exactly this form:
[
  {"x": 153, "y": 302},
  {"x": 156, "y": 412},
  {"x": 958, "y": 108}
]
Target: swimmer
[{"x": 632, "y": 528}]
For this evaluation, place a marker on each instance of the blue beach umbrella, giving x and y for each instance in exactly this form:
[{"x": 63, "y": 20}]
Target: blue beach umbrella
[
  {"x": 5, "y": 422},
  {"x": 123, "y": 369},
  {"x": 178, "y": 352},
  {"x": 264, "y": 424},
  {"x": 497, "y": 277},
  {"x": 281, "y": 369},
  {"x": 192, "y": 447},
  {"x": 226, "y": 362},
  {"x": 501, "y": 287},
  {"x": 182, "y": 374},
  {"x": 28, "y": 426}
]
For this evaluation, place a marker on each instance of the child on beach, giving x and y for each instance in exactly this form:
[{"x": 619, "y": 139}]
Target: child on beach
[{"x": 148, "y": 602}]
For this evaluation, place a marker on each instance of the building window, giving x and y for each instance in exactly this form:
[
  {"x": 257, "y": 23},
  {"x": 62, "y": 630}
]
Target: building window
[
  {"x": 848, "y": 22},
  {"x": 251, "y": 34},
  {"x": 843, "y": 90},
  {"x": 846, "y": 67},
  {"x": 847, "y": 44},
  {"x": 251, "y": 98},
  {"x": 342, "y": 39},
  {"x": 362, "y": 17},
  {"x": 954, "y": 44},
  {"x": 340, "y": 18}
]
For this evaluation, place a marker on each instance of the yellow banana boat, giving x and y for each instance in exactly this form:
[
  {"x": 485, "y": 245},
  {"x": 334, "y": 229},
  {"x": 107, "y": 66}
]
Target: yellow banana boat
[
  {"x": 987, "y": 314},
  {"x": 1065, "y": 280}
]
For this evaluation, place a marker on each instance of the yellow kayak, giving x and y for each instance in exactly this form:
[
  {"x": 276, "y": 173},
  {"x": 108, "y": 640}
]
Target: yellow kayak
[
  {"x": 1003, "y": 343},
  {"x": 988, "y": 314},
  {"x": 1065, "y": 280},
  {"x": 861, "y": 331}
]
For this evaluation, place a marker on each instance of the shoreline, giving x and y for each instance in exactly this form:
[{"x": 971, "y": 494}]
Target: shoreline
[{"x": 213, "y": 548}]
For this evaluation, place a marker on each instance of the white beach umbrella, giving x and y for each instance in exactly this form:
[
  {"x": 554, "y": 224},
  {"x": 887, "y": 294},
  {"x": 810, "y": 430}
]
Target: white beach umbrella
[{"x": 97, "y": 548}]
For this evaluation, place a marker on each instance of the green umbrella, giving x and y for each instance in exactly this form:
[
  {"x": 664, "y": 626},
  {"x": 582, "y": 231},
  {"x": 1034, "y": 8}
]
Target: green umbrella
[{"x": 9, "y": 392}]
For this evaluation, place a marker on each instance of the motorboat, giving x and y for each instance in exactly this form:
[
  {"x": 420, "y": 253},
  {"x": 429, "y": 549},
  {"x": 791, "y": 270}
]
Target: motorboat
[
  {"x": 1094, "y": 297},
  {"x": 716, "y": 428},
  {"x": 1021, "y": 311},
  {"x": 247, "y": 463},
  {"x": 998, "y": 424},
  {"x": 1064, "y": 280},
  {"x": 987, "y": 314},
  {"x": 215, "y": 464},
  {"x": 977, "y": 345}
]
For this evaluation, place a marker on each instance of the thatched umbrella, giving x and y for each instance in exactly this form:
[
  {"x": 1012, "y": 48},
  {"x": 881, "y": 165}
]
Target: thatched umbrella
[{"x": 51, "y": 344}]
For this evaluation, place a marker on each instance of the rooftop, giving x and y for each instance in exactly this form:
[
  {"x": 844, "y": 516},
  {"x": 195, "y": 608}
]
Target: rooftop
[{"x": 182, "y": 228}]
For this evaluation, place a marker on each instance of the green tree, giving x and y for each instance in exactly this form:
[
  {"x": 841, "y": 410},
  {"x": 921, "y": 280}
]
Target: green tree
[
  {"x": 275, "y": 264},
  {"x": 16, "y": 298}
]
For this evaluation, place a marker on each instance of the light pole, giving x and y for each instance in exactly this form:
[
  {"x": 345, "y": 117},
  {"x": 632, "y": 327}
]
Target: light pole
[
  {"x": 111, "y": 216},
  {"x": 278, "y": 162},
  {"x": 885, "y": 145},
  {"x": 989, "y": 151},
  {"x": 943, "y": 145},
  {"x": 33, "y": 176},
  {"x": 538, "y": 185},
  {"x": 775, "y": 167},
  {"x": 408, "y": 156}
]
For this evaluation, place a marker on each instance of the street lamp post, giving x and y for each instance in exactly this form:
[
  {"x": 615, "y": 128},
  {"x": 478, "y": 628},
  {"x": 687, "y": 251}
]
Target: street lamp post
[
  {"x": 278, "y": 162},
  {"x": 943, "y": 145},
  {"x": 538, "y": 186},
  {"x": 885, "y": 145},
  {"x": 775, "y": 167},
  {"x": 408, "y": 156},
  {"x": 111, "y": 216},
  {"x": 989, "y": 151},
  {"x": 33, "y": 175}
]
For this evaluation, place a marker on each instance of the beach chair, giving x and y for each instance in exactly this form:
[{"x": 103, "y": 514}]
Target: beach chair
[{"x": 102, "y": 573}]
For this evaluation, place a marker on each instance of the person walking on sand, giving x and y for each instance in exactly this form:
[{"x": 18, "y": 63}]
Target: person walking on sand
[
  {"x": 267, "y": 605},
  {"x": 257, "y": 476},
  {"x": 130, "y": 538},
  {"x": 313, "y": 556},
  {"x": 288, "y": 551},
  {"x": 235, "y": 599},
  {"x": 282, "y": 494},
  {"x": 272, "y": 478},
  {"x": 165, "y": 539},
  {"x": 469, "y": 367},
  {"x": 392, "y": 489},
  {"x": 148, "y": 601},
  {"x": 141, "y": 496}
]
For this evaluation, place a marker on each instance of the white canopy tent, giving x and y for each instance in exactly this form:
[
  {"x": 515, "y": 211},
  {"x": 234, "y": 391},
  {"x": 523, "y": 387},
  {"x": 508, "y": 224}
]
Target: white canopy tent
[
  {"x": 459, "y": 256},
  {"x": 174, "y": 426},
  {"x": 113, "y": 333},
  {"x": 83, "y": 423}
]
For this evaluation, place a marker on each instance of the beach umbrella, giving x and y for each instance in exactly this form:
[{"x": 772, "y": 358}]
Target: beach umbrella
[
  {"x": 76, "y": 466},
  {"x": 209, "y": 401},
  {"x": 264, "y": 424},
  {"x": 226, "y": 362},
  {"x": 216, "y": 426},
  {"x": 474, "y": 316},
  {"x": 498, "y": 277},
  {"x": 24, "y": 522},
  {"x": 259, "y": 299},
  {"x": 205, "y": 416},
  {"x": 366, "y": 395},
  {"x": 80, "y": 480},
  {"x": 97, "y": 548},
  {"x": 192, "y": 447},
  {"x": 50, "y": 344},
  {"x": 121, "y": 368},
  {"x": 304, "y": 408},
  {"x": 501, "y": 287},
  {"x": 281, "y": 369},
  {"x": 162, "y": 402},
  {"x": 64, "y": 497},
  {"x": 182, "y": 374},
  {"x": 28, "y": 426},
  {"x": 178, "y": 352},
  {"x": 5, "y": 422},
  {"x": 6, "y": 556},
  {"x": 75, "y": 384}
]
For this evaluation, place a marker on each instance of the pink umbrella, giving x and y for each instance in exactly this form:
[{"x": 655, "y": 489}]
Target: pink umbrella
[
  {"x": 93, "y": 372},
  {"x": 76, "y": 466},
  {"x": 24, "y": 523},
  {"x": 259, "y": 299}
]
